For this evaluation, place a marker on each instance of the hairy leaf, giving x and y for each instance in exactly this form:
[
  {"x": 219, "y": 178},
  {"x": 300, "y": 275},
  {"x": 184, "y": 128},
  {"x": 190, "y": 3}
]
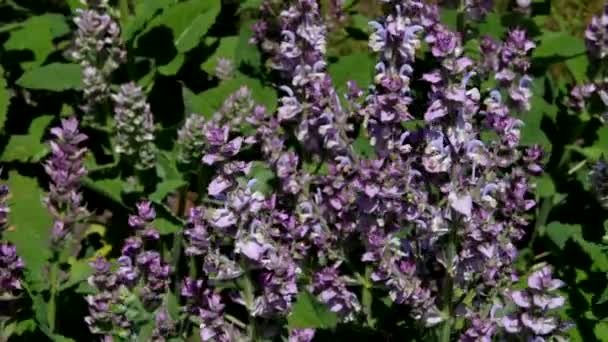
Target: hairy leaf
[
  {"x": 53, "y": 77},
  {"x": 308, "y": 312}
]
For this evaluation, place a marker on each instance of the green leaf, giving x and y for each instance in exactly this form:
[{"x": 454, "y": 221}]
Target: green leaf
[
  {"x": 263, "y": 175},
  {"x": 578, "y": 67},
  {"x": 492, "y": 26},
  {"x": 599, "y": 258},
  {"x": 80, "y": 270},
  {"x": 209, "y": 101},
  {"x": 164, "y": 188},
  {"x": 53, "y": 77},
  {"x": 226, "y": 49},
  {"x": 173, "y": 307},
  {"x": 110, "y": 187},
  {"x": 362, "y": 146},
  {"x": 248, "y": 54},
  {"x": 28, "y": 147},
  {"x": 5, "y": 98},
  {"x": 449, "y": 18},
  {"x": 166, "y": 167},
  {"x": 545, "y": 186},
  {"x": 560, "y": 233},
  {"x": 144, "y": 12},
  {"x": 173, "y": 66},
  {"x": 308, "y": 312},
  {"x": 166, "y": 226},
  {"x": 189, "y": 21},
  {"x": 601, "y": 331},
  {"x": 357, "y": 67},
  {"x": 30, "y": 226},
  {"x": 559, "y": 44},
  {"x": 250, "y": 4},
  {"x": 36, "y": 34}
]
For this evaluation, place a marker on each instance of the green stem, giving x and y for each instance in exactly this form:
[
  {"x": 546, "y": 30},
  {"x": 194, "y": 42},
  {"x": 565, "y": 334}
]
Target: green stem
[
  {"x": 447, "y": 291},
  {"x": 52, "y": 305},
  {"x": 249, "y": 297},
  {"x": 177, "y": 239},
  {"x": 367, "y": 298}
]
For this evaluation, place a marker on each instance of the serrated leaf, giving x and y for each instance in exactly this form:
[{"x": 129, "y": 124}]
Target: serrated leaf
[
  {"x": 308, "y": 312},
  {"x": 28, "y": 147},
  {"x": 560, "y": 233},
  {"x": 30, "y": 226},
  {"x": 5, "y": 98},
  {"x": 53, "y": 77},
  {"x": 36, "y": 34},
  {"x": 166, "y": 166},
  {"x": 357, "y": 67},
  {"x": 189, "y": 21},
  {"x": 109, "y": 187},
  {"x": 226, "y": 49},
  {"x": 599, "y": 258},
  {"x": 163, "y": 189},
  {"x": 559, "y": 44},
  {"x": 144, "y": 12},
  {"x": 248, "y": 54}
]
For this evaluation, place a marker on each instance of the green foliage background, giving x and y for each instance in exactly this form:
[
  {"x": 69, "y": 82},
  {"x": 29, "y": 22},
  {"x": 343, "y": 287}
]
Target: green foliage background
[{"x": 173, "y": 49}]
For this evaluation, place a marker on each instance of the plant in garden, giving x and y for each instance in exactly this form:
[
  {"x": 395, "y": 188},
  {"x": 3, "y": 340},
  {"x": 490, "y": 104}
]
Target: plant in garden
[{"x": 393, "y": 169}]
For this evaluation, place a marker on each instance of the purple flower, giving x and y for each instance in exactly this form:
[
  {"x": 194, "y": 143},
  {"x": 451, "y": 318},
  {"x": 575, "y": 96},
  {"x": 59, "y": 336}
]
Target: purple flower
[
  {"x": 595, "y": 35},
  {"x": 65, "y": 169},
  {"x": 301, "y": 335},
  {"x": 11, "y": 269},
  {"x": 331, "y": 289}
]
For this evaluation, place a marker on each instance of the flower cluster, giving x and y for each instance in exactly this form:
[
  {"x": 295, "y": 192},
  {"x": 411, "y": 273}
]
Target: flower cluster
[
  {"x": 142, "y": 277},
  {"x": 134, "y": 126},
  {"x": 11, "y": 265},
  {"x": 97, "y": 48},
  {"x": 533, "y": 318},
  {"x": 596, "y": 35},
  {"x": 431, "y": 214},
  {"x": 65, "y": 168}
]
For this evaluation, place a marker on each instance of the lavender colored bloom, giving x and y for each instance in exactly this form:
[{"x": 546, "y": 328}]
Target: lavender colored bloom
[
  {"x": 207, "y": 307},
  {"x": 534, "y": 306},
  {"x": 4, "y": 208},
  {"x": 11, "y": 268},
  {"x": 477, "y": 9},
  {"x": 331, "y": 289},
  {"x": 66, "y": 169},
  {"x": 164, "y": 326},
  {"x": 301, "y": 335},
  {"x": 134, "y": 126},
  {"x": 97, "y": 48},
  {"x": 597, "y": 34}
]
